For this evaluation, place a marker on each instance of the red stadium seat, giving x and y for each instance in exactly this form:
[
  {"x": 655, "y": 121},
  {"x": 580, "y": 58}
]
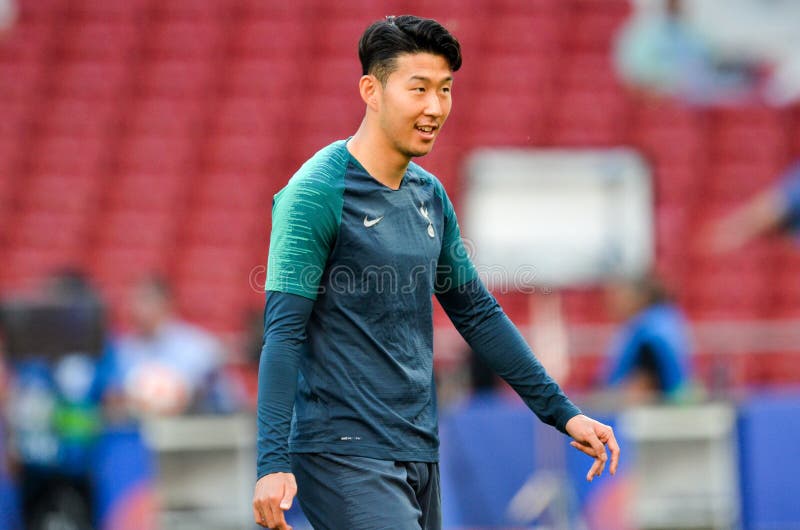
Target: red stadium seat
[
  {"x": 164, "y": 116},
  {"x": 173, "y": 156},
  {"x": 191, "y": 9},
  {"x": 595, "y": 29},
  {"x": 227, "y": 263},
  {"x": 218, "y": 307},
  {"x": 77, "y": 117},
  {"x": 262, "y": 78},
  {"x": 271, "y": 38},
  {"x": 339, "y": 115},
  {"x": 755, "y": 145},
  {"x": 177, "y": 78},
  {"x": 59, "y": 193},
  {"x": 674, "y": 146},
  {"x": 337, "y": 77},
  {"x": 588, "y": 72},
  {"x": 185, "y": 39},
  {"x": 26, "y": 42},
  {"x": 42, "y": 228},
  {"x": 676, "y": 184},
  {"x": 68, "y": 155},
  {"x": 120, "y": 265},
  {"x": 92, "y": 79},
  {"x": 523, "y": 34},
  {"x": 11, "y": 156},
  {"x": 26, "y": 267},
  {"x": 230, "y": 228},
  {"x": 732, "y": 181},
  {"x": 518, "y": 73},
  {"x": 19, "y": 81},
  {"x": 136, "y": 228},
  {"x": 147, "y": 192},
  {"x": 100, "y": 40},
  {"x": 255, "y": 116},
  {"x": 231, "y": 190},
  {"x": 108, "y": 10},
  {"x": 498, "y": 119},
  {"x": 243, "y": 153},
  {"x": 336, "y": 37}
]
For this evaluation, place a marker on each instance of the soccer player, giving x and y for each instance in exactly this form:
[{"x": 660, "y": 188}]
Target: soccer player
[{"x": 362, "y": 238}]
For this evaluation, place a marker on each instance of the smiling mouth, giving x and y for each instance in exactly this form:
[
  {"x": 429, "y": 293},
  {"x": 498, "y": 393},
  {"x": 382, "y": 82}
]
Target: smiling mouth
[{"x": 427, "y": 129}]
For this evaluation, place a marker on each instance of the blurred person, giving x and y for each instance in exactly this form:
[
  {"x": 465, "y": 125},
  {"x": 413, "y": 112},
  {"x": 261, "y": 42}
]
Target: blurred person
[
  {"x": 648, "y": 359},
  {"x": 8, "y": 15},
  {"x": 347, "y": 416},
  {"x": 72, "y": 465},
  {"x": 165, "y": 365},
  {"x": 659, "y": 53},
  {"x": 773, "y": 210}
]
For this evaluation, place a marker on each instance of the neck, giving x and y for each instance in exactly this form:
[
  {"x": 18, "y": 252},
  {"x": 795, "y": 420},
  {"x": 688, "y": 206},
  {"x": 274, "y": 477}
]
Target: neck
[{"x": 382, "y": 160}]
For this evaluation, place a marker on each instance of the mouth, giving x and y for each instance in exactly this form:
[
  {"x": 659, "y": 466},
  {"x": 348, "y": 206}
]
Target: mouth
[{"x": 427, "y": 131}]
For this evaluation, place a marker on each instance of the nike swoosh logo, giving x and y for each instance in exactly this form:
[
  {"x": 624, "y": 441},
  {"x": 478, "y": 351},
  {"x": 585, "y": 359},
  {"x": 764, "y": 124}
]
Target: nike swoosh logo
[{"x": 372, "y": 222}]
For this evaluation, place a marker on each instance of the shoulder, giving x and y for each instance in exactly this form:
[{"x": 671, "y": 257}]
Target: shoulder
[{"x": 321, "y": 176}]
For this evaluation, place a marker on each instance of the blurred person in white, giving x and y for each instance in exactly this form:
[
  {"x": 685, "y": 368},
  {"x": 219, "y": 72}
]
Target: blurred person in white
[
  {"x": 648, "y": 359},
  {"x": 775, "y": 209},
  {"x": 659, "y": 53},
  {"x": 8, "y": 15},
  {"x": 166, "y": 365}
]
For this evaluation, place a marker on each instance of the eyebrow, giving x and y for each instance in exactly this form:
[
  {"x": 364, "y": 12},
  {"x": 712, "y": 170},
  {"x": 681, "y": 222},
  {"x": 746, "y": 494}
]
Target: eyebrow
[{"x": 428, "y": 79}]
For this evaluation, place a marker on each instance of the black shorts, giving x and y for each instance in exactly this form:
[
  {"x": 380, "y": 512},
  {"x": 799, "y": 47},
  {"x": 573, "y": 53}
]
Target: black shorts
[{"x": 341, "y": 492}]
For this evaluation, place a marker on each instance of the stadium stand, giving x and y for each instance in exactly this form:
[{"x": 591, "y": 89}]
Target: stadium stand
[{"x": 143, "y": 134}]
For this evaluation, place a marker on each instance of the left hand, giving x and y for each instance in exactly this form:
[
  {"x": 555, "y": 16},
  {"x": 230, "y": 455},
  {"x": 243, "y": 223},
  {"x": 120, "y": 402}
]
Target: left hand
[{"x": 591, "y": 437}]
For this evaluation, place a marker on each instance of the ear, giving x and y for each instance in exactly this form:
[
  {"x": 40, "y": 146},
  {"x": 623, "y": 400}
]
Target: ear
[{"x": 370, "y": 89}]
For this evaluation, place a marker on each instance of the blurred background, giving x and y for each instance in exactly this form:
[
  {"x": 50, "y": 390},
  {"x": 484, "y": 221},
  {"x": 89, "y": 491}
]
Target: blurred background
[{"x": 141, "y": 142}]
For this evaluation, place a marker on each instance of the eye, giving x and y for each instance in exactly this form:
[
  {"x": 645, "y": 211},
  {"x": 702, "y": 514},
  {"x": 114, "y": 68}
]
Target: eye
[
  {"x": 446, "y": 89},
  {"x": 418, "y": 89}
]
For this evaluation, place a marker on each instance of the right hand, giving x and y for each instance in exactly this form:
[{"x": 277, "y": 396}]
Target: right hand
[{"x": 273, "y": 496}]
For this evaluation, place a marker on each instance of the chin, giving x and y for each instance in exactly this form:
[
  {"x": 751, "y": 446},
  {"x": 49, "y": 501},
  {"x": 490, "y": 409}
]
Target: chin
[{"x": 416, "y": 152}]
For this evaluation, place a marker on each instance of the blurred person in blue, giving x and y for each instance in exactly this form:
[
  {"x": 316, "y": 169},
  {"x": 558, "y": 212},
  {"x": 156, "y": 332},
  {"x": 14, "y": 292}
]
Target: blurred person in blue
[
  {"x": 69, "y": 464},
  {"x": 166, "y": 365},
  {"x": 773, "y": 210},
  {"x": 648, "y": 360},
  {"x": 658, "y": 53}
]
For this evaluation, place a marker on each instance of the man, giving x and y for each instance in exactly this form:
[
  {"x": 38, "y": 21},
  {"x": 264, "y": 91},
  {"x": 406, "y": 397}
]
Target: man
[
  {"x": 361, "y": 240},
  {"x": 649, "y": 356},
  {"x": 167, "y": 366}
]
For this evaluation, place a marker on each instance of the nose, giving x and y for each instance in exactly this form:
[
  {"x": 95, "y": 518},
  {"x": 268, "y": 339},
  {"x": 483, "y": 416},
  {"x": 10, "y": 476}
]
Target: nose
[{"x": 434, "y": 106}]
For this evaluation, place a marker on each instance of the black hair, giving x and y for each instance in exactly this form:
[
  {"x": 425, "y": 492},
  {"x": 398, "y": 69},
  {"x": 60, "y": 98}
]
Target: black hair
[{"x": 385, "y": 40}]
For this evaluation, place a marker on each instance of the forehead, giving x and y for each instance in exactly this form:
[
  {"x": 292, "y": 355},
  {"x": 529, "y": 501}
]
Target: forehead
[{"x": 423, "y": 64}]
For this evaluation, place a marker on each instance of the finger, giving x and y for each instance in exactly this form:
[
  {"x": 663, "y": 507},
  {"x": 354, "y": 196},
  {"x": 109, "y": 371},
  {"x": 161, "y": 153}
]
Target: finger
[
  {"x": 258, "y": 518},
  {"x": 288, "y": 496},
  {"x": 583, "y": 448},
  {"x": 596, "y": 470},
  {"x": 593, "y": 470},
  {"x": 597, "y": 445},
  {"x": 613, "y": 446},
  {"x": 261, "y": 512},
  {"x": 277, "y": 521}
]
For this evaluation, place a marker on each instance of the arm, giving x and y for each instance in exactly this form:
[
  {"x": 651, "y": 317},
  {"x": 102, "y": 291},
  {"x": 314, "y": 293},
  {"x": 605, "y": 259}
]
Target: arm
[
  {"x": 762, "y": 214},
  {"x": 305, "y": 221},
  {"x": 285, "y": 319},
  {"x": 489, "y": 332},
  {"x": 484, "y": 325}
]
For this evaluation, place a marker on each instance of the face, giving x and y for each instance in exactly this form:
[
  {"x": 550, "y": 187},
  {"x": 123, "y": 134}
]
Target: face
[
  {"x": 622, "y": 300},
  {"x": 415, "y": 102},
  {"x": 148, "y": 309}
]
